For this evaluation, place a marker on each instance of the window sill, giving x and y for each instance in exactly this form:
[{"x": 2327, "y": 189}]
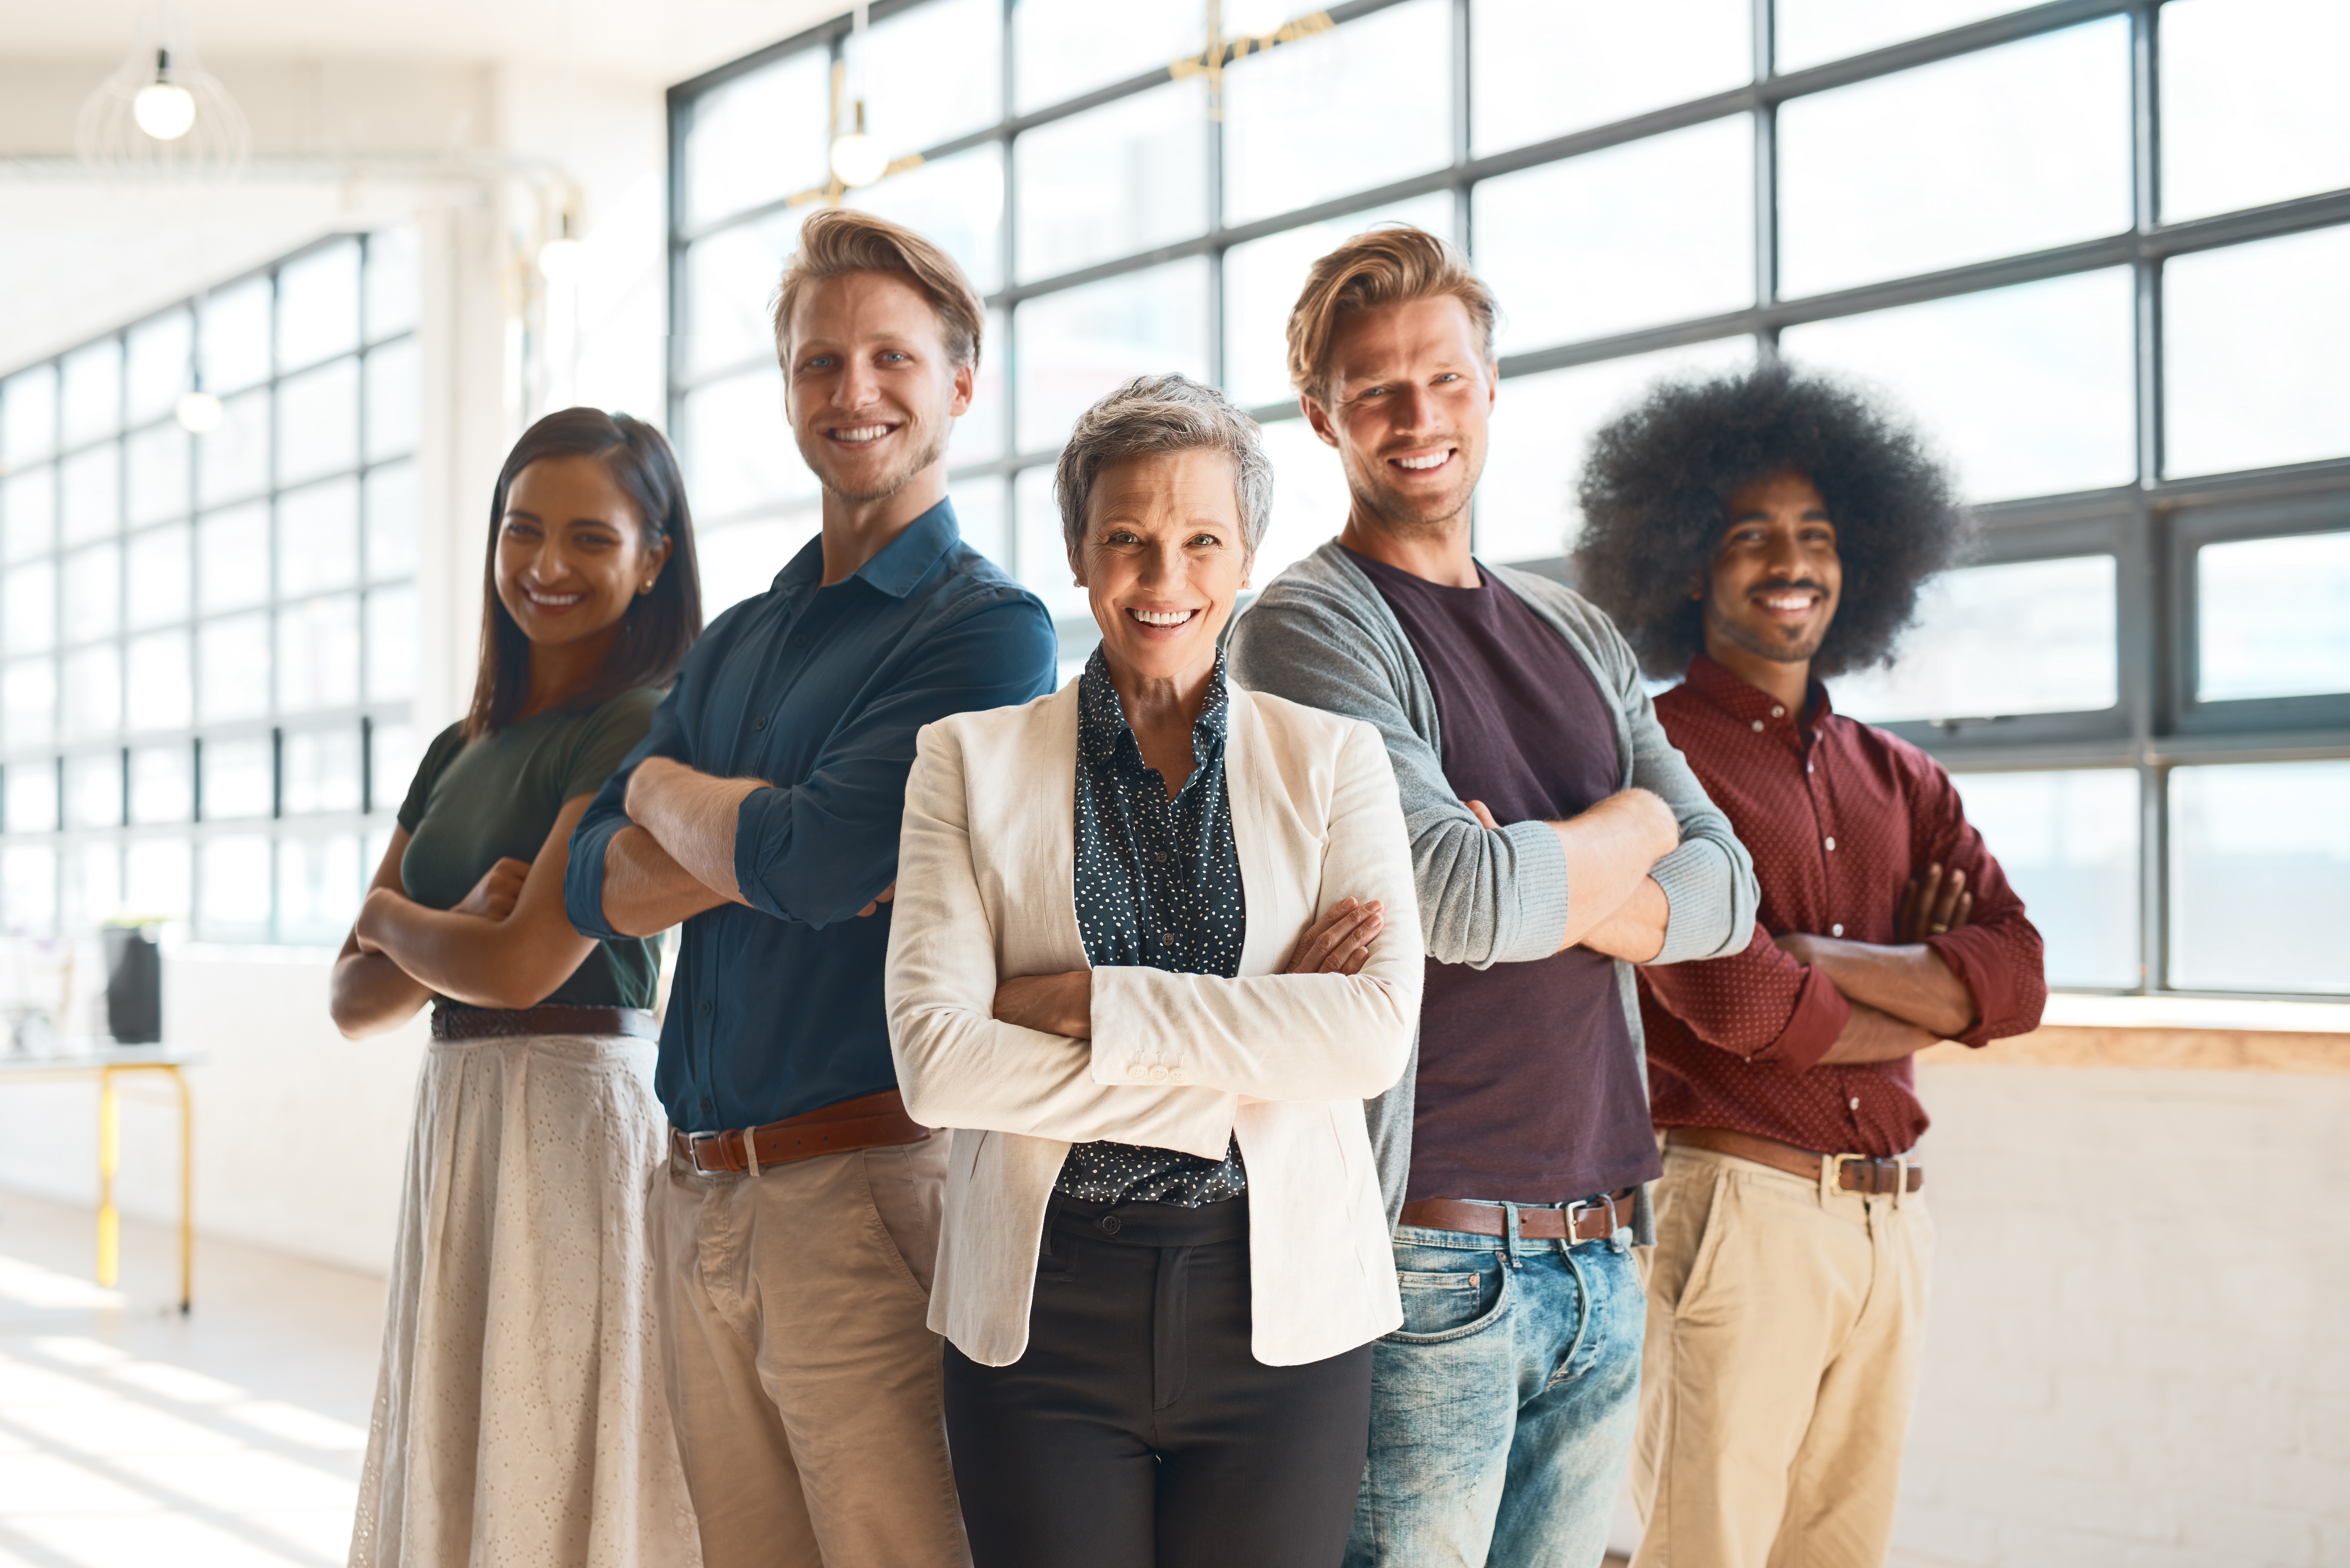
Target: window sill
[{"x": 2176, "y": 1033}]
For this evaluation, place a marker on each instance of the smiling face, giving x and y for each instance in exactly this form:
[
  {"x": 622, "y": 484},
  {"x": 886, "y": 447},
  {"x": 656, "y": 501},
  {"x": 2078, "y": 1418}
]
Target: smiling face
[
  {"x": 1410, "y": 394},
  {"x": 571, "y": 554},
  {"x": 1775, "y": 579},
  {"x": 1162, "y": 559},
  {"x": 872, "y": 392}
]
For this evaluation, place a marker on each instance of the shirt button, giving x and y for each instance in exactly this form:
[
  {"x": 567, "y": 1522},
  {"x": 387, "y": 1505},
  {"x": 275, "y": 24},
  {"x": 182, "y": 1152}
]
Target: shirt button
[
  {"x": 1174, "y": 1075},
  {"x": 1777, "y": 711},
  {"x": 1807, "y": 767},
  {"x": 760, "y": 722},
  {"x": 1856, "y": 1102},
  {"x": 705, "y": 1009},
  {"x": 1158, "y": 1075},
  {"x": 1831, "y": 844},
  {"x": 1758, "y": 726},
  {"x": 799, "y": 639},
  {"x": 1836, "y": 930}
]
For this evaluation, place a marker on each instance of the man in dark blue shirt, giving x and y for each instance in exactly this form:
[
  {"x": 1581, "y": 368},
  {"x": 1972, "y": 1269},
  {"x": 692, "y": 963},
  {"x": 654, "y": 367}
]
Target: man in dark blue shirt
[{"x": 763, "y": 811}]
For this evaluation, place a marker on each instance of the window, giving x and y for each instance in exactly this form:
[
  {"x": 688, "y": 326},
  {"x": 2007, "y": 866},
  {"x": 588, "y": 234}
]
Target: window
[
  {"x": 2097, "y": 256},
  {"x": 210, "y": 630}
]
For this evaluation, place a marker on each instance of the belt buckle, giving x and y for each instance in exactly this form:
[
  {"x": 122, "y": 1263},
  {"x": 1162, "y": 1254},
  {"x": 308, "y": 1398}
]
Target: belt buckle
[
  {"x": 1576, "y": 1211},
  {"x": 693, "y": 1142},
  {"x": 1831, "y": 1173}
]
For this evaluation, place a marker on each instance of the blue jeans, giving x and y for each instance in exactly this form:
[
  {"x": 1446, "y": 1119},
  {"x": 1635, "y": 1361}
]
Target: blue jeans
[{"x": 1502, "y": 1410}]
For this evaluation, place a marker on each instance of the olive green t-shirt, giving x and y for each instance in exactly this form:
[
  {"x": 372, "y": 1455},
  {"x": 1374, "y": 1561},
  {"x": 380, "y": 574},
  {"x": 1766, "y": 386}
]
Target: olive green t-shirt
[{"x": 476, "y": 802}]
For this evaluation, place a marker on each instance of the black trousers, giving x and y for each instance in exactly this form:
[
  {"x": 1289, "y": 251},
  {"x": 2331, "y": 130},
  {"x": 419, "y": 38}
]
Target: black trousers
[{"x": 1138, "y": 1431}]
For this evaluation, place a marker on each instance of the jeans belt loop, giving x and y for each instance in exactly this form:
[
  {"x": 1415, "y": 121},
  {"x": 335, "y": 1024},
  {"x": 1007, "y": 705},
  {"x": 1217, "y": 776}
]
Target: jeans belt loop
[
  {"x": 1509, "y": 1233},
  {"x": 1615, "y": 1223},
  {"x": 1900, "y": 1179}
]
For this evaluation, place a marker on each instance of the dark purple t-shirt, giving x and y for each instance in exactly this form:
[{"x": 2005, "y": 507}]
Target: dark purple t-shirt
[{"x": 1529, "y": 1088}]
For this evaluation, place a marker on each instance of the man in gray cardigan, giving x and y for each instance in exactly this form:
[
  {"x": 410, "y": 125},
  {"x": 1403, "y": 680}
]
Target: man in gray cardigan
[{"x": 1559, "y": 839}]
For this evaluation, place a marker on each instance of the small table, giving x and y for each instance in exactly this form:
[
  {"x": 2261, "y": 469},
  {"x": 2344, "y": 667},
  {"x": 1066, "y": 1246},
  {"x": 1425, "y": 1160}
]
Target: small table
[{"x": 104, "y": 1063}]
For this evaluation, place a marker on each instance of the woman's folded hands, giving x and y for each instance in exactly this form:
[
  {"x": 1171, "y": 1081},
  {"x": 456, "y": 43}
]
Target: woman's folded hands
[{"x": 1338, "y": 943}]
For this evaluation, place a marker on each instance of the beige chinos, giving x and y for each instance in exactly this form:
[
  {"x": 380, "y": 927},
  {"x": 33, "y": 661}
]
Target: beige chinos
[
  {"x": 803, "y": 1380},
  {"x": 1785, "y": 1328}
]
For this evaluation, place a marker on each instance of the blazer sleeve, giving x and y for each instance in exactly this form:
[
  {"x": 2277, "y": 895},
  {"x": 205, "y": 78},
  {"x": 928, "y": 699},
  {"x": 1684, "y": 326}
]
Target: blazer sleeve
[
  {"x": 1289, "y": 1036},
  {"x": 957, "y": 1065}
]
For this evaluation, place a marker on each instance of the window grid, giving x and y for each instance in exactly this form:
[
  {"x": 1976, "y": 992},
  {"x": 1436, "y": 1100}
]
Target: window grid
[
  {"x": 281, "y": 857},
  {"x": 2149, "y": 523}
]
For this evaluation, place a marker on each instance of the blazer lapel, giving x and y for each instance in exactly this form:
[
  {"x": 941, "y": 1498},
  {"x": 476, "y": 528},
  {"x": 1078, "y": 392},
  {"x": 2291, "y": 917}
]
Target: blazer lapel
[
  {"x": 1252, "y": 782},
  {"x": 1035, "y": 890}
]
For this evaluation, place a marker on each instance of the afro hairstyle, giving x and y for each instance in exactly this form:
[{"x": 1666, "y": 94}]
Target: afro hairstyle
[{"x": 1660, "y": 474}]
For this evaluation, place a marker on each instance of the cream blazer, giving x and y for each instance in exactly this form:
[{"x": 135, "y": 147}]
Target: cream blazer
[{"x": 986, "y": 892}]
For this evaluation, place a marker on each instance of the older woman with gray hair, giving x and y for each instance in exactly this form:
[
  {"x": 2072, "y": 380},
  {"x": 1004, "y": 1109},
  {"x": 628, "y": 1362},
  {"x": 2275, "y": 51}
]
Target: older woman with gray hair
[{"x": 1154, "y": 942}]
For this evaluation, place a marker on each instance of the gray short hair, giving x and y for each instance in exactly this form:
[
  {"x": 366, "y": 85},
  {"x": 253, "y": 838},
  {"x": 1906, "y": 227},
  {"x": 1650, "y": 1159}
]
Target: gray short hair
[{"x": 1153, "y": 415}]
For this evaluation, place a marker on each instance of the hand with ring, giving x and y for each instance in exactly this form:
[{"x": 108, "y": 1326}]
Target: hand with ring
[{"x": 1933, "y": 904}]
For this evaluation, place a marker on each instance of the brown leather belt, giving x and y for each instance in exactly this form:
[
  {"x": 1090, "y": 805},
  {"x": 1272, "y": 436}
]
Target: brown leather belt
[
  {"x": 870, "y": 1121},
  {"x": 1594, "y": 1220},
  {"x": 505, "y": 1022},
  {"x": 1853, "y": 1172}
]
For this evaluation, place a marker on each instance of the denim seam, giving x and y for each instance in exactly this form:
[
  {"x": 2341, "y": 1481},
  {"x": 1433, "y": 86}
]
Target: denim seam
[{"x": 1475, "y": 1325}]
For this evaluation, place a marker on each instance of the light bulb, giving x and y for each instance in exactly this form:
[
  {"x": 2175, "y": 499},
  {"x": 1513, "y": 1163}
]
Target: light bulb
[
  {"x": 559, "y": 259},
  {"x": 858, "y": 160},
  {"x": 199, "y": 413},
  {"x": 164, "y": 110},
  {"x": 1255, "y": 18}
]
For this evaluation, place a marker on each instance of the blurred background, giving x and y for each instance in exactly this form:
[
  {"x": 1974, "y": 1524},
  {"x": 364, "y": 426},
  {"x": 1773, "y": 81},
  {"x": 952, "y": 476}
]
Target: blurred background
[{"x": 256, "y": 377}]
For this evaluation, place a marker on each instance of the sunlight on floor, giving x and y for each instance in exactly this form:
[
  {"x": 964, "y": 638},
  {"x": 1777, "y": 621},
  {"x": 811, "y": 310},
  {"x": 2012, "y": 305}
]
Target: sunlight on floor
[{"x": 130, "y": 1436}]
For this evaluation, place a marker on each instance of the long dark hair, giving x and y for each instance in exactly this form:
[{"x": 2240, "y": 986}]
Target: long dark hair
[{"x": 658, "y": 628}]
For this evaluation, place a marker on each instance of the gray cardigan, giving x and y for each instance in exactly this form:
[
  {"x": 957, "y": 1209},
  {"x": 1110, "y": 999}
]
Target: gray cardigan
[{"x": 1320, "y": 634}]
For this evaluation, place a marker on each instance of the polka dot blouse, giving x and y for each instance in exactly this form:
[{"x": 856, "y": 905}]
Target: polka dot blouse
[{"x": 1158, "y": 886}]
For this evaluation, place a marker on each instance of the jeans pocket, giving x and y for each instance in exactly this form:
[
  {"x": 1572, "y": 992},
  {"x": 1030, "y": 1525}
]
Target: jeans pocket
[{"x": 1438, "y": 1306}]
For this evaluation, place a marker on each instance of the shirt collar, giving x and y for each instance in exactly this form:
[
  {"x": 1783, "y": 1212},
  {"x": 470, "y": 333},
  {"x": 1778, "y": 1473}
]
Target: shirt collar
[
  {"x": 898, "y": 565},
  {"x": 1751, "y": 705},
  {"x": 1101, "y": 718}
]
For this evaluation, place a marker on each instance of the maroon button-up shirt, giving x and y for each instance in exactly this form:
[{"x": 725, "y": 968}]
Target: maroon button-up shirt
[{"x": 1838, "y": 818}]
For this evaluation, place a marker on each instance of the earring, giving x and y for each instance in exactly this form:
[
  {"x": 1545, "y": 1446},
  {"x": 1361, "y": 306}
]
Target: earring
[{"x": 646, "y": 590}]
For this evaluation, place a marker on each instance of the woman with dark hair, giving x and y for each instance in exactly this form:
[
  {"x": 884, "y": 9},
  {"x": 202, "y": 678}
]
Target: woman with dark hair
[{"x": 520, "y": 1415}]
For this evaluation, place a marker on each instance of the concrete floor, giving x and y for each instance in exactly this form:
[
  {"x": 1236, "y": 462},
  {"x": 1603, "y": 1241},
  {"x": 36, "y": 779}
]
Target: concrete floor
[{"x": 130, "y": 1436}]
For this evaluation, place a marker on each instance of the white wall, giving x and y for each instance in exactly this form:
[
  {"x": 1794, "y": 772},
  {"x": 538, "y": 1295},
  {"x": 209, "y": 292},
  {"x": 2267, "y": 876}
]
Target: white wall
[
  {"x": 2137, "y": 1355},
  {"x": 300, "y": 1134}
]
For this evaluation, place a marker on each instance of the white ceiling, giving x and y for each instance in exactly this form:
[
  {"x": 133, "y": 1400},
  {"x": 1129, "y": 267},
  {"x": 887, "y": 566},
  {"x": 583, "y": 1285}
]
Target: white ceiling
[
  {"x": 77, "y": 257},
  {"x": 662, "y": 42}
]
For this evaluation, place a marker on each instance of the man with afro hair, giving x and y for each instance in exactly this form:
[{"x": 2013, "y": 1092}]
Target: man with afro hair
[{"x": 1756, "y": 533}]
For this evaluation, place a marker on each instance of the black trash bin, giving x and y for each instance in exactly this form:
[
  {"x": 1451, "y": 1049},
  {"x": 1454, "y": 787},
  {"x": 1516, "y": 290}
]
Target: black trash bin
[{"x": 134, "y": 986}]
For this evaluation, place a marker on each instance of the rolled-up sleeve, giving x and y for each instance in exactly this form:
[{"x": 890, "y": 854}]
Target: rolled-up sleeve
[
  {"x": 1759, "y": 1004},
  {"x": 1998, "y": 955},
  {"x": 583, "y": 877},
  {"x": 820, "y": 850}
]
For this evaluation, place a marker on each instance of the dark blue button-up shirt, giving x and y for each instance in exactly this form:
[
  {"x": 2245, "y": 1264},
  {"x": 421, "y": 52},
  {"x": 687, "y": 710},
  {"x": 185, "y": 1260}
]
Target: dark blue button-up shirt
[
  {"x": 776, "y": 1008},
  {"x": 1158, "y": 886}
]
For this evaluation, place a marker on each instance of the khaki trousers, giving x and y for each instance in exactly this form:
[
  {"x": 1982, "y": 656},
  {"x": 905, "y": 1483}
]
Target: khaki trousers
[
  {"x": 1784, "y": 1334},
  {"x": 804, "y": 1383}
]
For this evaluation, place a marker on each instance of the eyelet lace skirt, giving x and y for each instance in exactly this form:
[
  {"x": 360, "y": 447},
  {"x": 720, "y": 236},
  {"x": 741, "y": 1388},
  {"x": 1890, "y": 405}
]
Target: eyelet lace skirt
[{"x": 520, "y": 1416}]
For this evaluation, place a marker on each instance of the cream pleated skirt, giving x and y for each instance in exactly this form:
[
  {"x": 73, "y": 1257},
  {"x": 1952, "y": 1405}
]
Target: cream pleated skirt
[{"x": 520, "y": 1418}]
